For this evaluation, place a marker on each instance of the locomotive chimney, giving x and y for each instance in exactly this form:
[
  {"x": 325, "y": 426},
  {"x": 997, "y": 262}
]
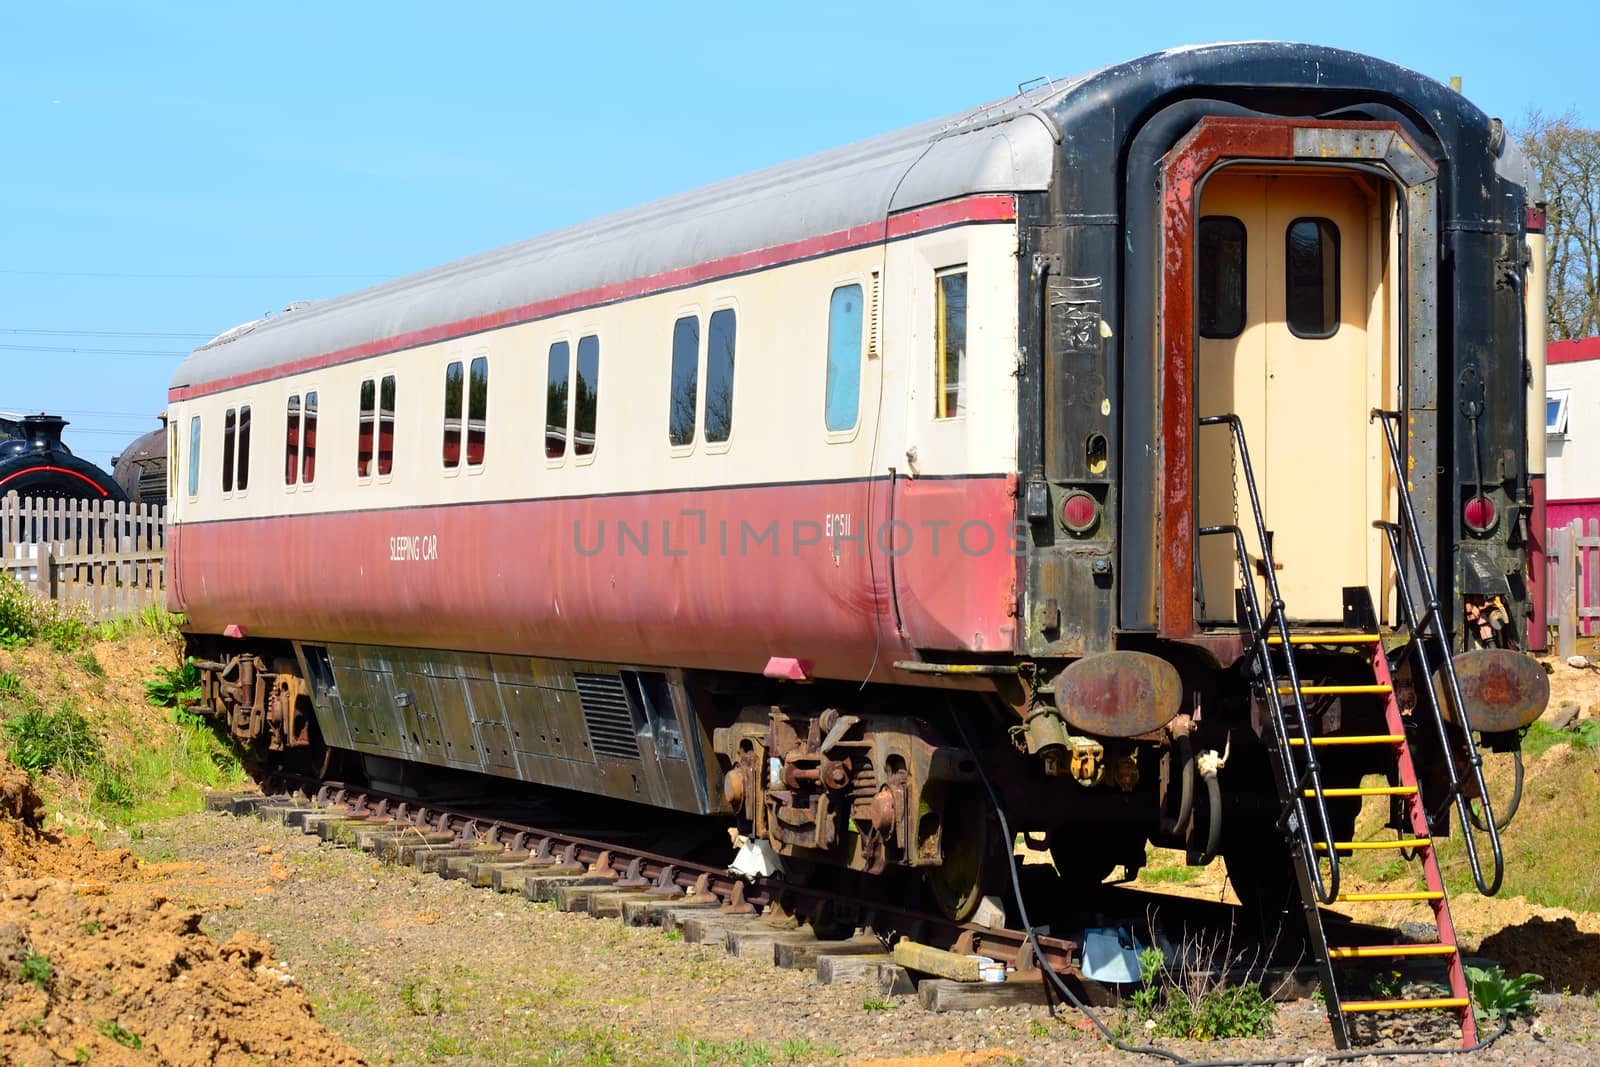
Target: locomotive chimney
[{"x": 43, "y": 432}]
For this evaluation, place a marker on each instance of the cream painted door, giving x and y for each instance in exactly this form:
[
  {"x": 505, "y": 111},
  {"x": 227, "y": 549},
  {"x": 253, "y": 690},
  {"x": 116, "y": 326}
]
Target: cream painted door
[{"x": 1284, "y": 302}]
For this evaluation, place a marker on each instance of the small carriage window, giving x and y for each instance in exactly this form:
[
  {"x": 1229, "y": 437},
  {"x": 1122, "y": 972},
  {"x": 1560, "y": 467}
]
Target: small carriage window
[
  {"x": 1220, "y": 289},
  {"x": 308, "y": 441},
  {"x": 244, "y": 448},
  {"x": 194, "y": 456},
  {"x": 386, "y": 425},
  {"x": 369, "y": 413},
  {"x": 719, "y": 375},
  {"x": 586, "y": 402},
  {"x": 685, "y": 380},
  {"x": 453, "y": 381},
  {"x": 230, "y": 430},
  {"x": 950, "y": 344},
  {"x": 291, "y": 443},
  {"x": 842, "y": 401},
  {"x": 1555, "y": 411},
  {"x": 555, "y": 401},
  {"x": 1312, "y": 278},
  {"x": 172, "y": 460},
  {"x": 477, "y": 410}
]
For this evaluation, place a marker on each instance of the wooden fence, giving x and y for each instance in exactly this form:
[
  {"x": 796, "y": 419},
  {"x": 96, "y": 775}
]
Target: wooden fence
[
  {"x": 107, "y": 558},
  {"x": 1573, "y": 608}
]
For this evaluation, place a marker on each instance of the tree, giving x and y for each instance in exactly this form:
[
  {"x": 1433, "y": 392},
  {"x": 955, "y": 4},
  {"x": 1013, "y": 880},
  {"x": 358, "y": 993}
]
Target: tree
[{"x": 1567, "y": 159}]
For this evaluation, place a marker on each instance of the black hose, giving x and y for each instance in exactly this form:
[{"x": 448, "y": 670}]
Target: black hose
[
  {"x": 1106, "y": 1032},
  {"x": 1185, "y": 756},
  {"x": 1214, "y": 833},
  {"x": 1504, "y": 820}
]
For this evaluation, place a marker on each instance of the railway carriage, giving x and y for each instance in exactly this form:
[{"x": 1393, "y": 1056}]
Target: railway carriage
[{"x": 1143, "y": 445}]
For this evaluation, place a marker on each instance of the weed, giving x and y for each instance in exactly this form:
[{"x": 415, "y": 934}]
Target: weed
[
  {"x": 122, "y": 1036},
  {"x": 88, "y": 664},
  {"x": 1586, "y": 735},
  {"x": 159, "y": 621},
  {"x": 442, "y": 1045},
  {"x": 1038, "y": 1028},
  {"x": 19, "y": 613},
  {"x": 1194, "y": 1001},
  {"x": 876, "y": 1004},
  {"x": 36, "y": 968},
  {"x": 1388, "y": 985},
  {"x": 419, "y": 999},
  {"x": 1390, "y": 869},
  {"x": 42, "y": 740},
  {"x": 10, "y": 684},
  {"x": 114, "y": 788},
  {"x": 81, "y": 1054},
  {"x": 674, "y": 935},
  {"x": 1495, "y": 994},
  {"x": 1161, "y": 875},
  {"x": 174, "y": 687},
  {"x": 740, "y": 1051},
  {"x": 90, "y": 928},
  {"x": 114, "y": 629},
  {"x": 798, "y": 1048}
]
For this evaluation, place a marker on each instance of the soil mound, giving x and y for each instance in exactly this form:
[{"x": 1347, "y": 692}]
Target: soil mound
[
  {"x": 92, "y": 967},
  {"x": 1568, "y": 957}
]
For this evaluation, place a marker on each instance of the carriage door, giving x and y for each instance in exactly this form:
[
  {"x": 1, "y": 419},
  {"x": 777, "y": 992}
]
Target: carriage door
[{"x": 1290, "y": 337}]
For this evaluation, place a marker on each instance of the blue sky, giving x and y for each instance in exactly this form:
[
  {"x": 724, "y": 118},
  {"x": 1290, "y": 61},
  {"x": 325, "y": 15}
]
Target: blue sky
[{"x": 172, "y": 169}]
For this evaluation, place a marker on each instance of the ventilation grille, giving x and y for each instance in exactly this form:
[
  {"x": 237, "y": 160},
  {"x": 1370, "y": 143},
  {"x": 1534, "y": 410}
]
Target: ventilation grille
[
  {"x": 873, "y": 305},
  {"x": 605, "y": 712}
]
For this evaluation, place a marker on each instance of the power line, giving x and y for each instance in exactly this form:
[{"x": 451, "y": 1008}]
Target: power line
[
  {"x": 191, "y": 277},
  {"x": 92, "y": 351},
  {"x": 108, "y": 333}
]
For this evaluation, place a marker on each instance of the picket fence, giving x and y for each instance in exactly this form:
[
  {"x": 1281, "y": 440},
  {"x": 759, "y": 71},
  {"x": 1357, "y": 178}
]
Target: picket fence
[{"x": 104, "y": 557}]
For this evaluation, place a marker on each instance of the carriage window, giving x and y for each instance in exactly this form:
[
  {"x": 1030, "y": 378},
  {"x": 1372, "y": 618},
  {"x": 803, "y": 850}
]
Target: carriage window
[
  {"x": 1220, "y": 289},
  {"x": 369, "y": 414},
  {"x": 477, "y": 410},
  {"x": 586, "y": 403},
  {"x": 950, "y": 344},
  {"x": 244, "y": 448},
  {"x": 172, "y": 460},
  {"x": 719, "y": 375},
  {"x": 308, "y": 441},
  {"x": 230, "y": 429},
  {"x": 842, "y": 398},
  {"x": 194, "y": 456},
  {"x": 453, "y": 381},
  {"x": 555, "y": 401},
  {"x": 1312, "y": 278},
  {"x": 386, "y": 425},
  {"x": 685, "y": 380},
  {"x": 291, "y": 443}
]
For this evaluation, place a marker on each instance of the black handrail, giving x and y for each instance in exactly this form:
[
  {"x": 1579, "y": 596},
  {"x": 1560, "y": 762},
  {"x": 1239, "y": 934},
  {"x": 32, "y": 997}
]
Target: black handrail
[
  {"x": 1294, "y": 788},
  {"x": 1433, "y": 623}
]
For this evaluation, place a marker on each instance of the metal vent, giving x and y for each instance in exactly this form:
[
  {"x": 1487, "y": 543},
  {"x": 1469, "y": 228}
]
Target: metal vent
[
  {"x": 873, "y": 306},
  {"x": 605, "y": 712}
]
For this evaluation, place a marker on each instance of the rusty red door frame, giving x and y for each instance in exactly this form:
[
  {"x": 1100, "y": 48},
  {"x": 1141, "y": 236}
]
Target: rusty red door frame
[{"x": 1214, "y": 142}]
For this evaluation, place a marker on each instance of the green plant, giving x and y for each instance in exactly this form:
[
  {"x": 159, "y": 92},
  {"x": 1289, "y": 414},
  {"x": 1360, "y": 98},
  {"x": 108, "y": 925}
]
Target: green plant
[
  {"x": 1586, "y": 735},
  {"x": 1038, "y": 1028},
  {"x": 1495, "y": 994},
  {"x": 40, "y": 741},
  {"x": 876, "y": 1004},
  {"x": 1195, "y": 1001},
  {"x": 160, "y": 622},
  {"x": 88, "y": 664},
  {"x": 674, "y": 935},
  {"x": 114, "y": 788},
  {"x": 116, "y": 1032},
  {"x": 114, "y": 629},
  {"x": 10, "y": 684},
  {"x": 19, "y": 613},
  {"x": 1388, "y": 984},
  {"x": 64, "y": 630},
  {"x": 81, "y": 1054},
  {"x": 174, "y": 687},
  {"x": 419, "y": 999},
  {"x": 91, "y": 927},
  {"x": 36, "y": 968}
]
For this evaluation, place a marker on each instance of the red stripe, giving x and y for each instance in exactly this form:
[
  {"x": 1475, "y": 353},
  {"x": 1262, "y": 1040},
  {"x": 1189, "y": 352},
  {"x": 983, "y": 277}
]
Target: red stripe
[
  {"x": 55, "y": 470},
  {"x": 987, "y": 208},
  {"x": 1580, "y": 351}
]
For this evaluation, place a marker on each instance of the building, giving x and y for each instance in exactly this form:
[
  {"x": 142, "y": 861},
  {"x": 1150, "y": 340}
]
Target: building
[{"x": 1572, "y": 431}]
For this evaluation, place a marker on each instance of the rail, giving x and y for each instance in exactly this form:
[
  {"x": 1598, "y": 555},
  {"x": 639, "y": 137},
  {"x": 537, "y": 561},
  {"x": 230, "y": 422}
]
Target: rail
[
  {"x": 1432, "y": 627},
  {"x": 1291, "y": 788}
]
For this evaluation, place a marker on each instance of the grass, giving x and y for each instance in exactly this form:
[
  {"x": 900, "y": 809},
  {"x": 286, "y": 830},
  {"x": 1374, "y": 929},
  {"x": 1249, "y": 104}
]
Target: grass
[{"x": 1170, "y": 875}]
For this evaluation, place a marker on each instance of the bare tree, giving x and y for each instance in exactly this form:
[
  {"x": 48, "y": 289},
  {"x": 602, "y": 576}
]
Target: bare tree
[{"x": 1567, "y": 158}]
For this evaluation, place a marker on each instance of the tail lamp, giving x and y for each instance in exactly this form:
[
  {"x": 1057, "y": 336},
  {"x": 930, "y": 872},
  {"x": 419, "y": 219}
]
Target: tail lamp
[
  {"x": 1480, "y": 515},
  {"x": 1080, "y": 512}
]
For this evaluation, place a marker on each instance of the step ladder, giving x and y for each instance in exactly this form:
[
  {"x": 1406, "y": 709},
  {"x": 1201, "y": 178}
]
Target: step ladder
[{"x": 1281, "y": 691}]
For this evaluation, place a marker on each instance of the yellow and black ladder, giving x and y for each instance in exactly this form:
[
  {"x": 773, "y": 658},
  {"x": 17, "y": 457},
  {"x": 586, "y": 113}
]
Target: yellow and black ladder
[{"x": 1281, "y": 693}]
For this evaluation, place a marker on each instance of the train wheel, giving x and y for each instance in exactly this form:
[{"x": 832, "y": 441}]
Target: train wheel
[{"x": 956, "y": 885}]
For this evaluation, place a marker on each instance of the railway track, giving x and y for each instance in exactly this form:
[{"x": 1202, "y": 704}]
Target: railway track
[{"x": 836, "y": 934}]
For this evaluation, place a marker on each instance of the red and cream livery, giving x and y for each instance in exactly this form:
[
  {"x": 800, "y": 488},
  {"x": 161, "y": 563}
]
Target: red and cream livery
[{"x": 912, "y": 423}]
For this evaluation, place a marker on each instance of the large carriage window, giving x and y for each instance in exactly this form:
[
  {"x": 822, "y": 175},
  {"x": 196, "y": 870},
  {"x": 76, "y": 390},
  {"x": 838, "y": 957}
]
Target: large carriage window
[
  {"x": 842, "y": 402},
  {"x": 453, "y": 381},
  {"x": 230, "y": 429},
  {"x": 194, "y": 456},
  {"x": 950, "y": 344},
  {"x": 719, "y": 375},
  {"x": 1312, "y": 278},
  {"x": 236, "y": 449},
  {"x": 291, "y": 443},
  {"x": 685, "y": 380},
  {"x": 555, "y": 400},
  {"x": 386, "y": 425},
  {"x": 477, "y": 410},
  {"x": 1220, "y": 290},
  {"x": 586, "y": 402},
  {"x": 244, "y": 448},
  {"x": 366, "y": 427},
  {"x": 308, "y": 441}
]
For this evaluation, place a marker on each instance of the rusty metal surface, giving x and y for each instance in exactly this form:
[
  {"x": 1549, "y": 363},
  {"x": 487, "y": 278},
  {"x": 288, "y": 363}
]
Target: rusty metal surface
[
  {"x": 1119, "y": 694},
  {"x": 1503, "y": 689}
]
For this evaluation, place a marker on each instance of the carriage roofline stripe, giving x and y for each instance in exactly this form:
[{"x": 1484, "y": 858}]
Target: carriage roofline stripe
[{"x": 983, "y": 209}]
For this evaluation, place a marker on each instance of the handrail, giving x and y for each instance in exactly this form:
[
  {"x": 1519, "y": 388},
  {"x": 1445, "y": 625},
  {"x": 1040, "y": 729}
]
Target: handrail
[
  {"x": 1433, "y": 623},
  {"x": 1293, "y": 790}
]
